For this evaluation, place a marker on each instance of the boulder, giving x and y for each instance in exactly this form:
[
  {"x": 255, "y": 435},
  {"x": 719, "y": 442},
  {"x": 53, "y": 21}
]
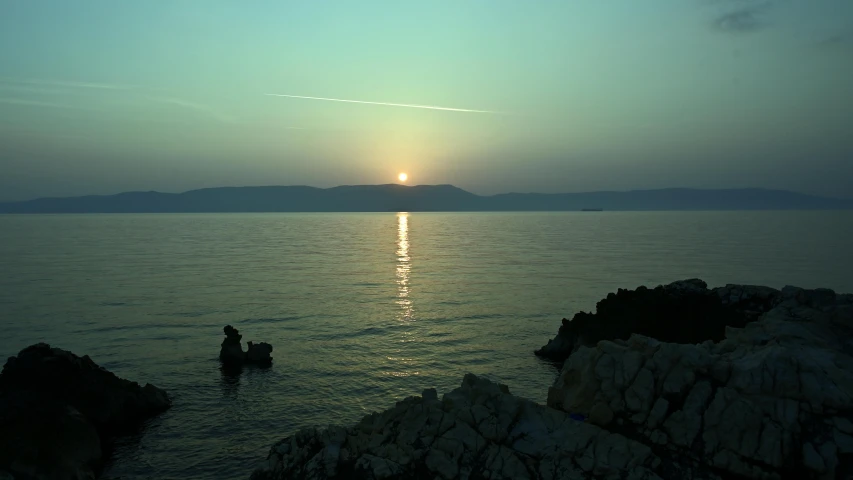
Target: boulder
[
  {"x": 231, "y": 352},
  {"x": 685, "y": 311},
  {"x": 58, "y": 412}
]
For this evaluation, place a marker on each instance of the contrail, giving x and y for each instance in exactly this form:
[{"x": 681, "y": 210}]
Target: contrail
[{"x": 428, "y": 107}]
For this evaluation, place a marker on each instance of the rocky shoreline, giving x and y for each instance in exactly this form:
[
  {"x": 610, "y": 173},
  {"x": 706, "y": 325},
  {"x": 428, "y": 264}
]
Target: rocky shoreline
[
  {"x": 60, "y": 412},
  {"x": 675, "y": 382}
]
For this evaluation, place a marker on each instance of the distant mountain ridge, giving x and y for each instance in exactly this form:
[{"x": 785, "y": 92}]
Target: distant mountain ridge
[{"x": 439, "y": 198}]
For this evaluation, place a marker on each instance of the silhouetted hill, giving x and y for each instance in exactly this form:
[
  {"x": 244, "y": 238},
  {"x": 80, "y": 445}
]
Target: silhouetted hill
[{"x": 383, "y": 198}]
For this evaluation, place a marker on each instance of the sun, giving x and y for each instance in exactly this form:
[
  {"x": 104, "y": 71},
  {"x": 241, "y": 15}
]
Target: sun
[{"x": 402, "y": 177}]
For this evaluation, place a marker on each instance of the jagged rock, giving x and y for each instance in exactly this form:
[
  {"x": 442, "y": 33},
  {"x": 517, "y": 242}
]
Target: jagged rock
[
  {"x": 773, "y": 399},
  {"x": 58, "y": 410},
  {"x": 231, "y": 351},
  {"x": 683, "y": 312},
  {"x": 478, "y": 430}
]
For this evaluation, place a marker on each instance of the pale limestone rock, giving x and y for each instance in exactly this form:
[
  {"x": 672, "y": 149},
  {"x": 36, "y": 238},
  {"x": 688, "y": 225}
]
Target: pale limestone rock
[
  {"x": 601, "y": 414},
  {"x": 843, "y": 441},
  {"x": 812, "y": 460},
  {"x": 658, "y": 412},
  {"x": 380, "y": 468},
  {"x": 479, "y": 430},
  {"x": 754, "y": 399},
  {"x": 638, "y": 397}
]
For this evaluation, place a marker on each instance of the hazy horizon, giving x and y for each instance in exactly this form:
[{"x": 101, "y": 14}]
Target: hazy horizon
[
  {"x": 105, "y": 97},
  {"x": 178, "y": 192}
]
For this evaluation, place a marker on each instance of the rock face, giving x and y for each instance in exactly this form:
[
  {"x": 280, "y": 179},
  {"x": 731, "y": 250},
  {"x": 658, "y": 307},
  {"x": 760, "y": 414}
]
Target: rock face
[
  {"x": 478, "y": 430},
  {"x": 772, "y": 399},
  {"x": 58, "y": 410},
  {"x": 231, "y": 351},
  {"x": 683, "y": 312}
]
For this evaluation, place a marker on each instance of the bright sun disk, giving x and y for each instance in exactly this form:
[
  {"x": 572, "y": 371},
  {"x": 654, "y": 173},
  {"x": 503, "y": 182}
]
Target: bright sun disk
[{"x": 403, "y": 177}]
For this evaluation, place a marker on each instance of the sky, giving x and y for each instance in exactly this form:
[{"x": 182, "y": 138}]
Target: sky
[{"x": 104, "y": 96}]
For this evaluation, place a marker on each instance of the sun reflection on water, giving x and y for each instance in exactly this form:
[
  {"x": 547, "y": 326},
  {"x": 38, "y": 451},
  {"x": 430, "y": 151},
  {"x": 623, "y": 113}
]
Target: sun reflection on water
[{"x": 403, "y": 268}]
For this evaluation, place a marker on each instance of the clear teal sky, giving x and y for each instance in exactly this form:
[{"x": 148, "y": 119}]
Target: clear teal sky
[{"x": 573, "y": 95}]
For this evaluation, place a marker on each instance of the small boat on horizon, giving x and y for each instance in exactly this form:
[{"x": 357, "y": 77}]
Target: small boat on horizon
[{"x": 592, "y": 209}]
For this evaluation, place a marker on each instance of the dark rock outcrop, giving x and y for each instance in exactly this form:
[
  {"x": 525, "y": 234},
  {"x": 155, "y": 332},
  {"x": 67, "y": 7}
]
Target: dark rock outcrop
[
  {"x": 259, "y": 353},
  {"x": 59, "y": 411},
  {"x": 682, "y": 312},
  {"x": 231, "y": 351},
  {"x": 44, "y": 439}
]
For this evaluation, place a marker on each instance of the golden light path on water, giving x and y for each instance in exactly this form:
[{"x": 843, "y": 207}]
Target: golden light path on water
[
  {"x": 405, "y": 314},
  {"x": 403, "y": 267}
]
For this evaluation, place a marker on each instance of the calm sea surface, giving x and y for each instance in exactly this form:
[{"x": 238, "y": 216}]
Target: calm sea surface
[{"x": 362, "y": 309}]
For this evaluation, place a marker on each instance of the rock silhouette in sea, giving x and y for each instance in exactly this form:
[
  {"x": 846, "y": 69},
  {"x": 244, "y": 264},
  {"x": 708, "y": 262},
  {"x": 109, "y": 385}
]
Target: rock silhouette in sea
[
  {"x": 682, "y": 312},
  {"x": 772, "y": 399},
  {"x": 231, "y": 352},
  {"x": 59, "y": 412}
]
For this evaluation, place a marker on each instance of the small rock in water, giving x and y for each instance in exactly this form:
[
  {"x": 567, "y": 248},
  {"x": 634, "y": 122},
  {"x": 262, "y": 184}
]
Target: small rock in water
[
  {"x": 231, "y": 351},
  {"x": 259, "y": 353}
]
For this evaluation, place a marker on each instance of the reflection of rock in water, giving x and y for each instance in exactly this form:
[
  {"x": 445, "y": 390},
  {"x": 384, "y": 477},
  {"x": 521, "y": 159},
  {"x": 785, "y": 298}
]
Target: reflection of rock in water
[
  {"x": 231, "y": 352},
  {"x": 229, "y": 379}
]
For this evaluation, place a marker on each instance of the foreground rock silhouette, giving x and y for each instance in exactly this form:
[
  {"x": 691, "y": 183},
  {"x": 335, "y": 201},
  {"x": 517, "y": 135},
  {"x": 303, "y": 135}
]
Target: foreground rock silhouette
[
  {"x": 231, "y": 351},
  {"x": 58, "y": 413},
  {"x": 684, "y": 312},
  {"x": 772, "y": 399}
]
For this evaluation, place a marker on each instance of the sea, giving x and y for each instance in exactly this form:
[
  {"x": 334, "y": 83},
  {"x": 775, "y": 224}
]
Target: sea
[{"x": 362, "y": 309}]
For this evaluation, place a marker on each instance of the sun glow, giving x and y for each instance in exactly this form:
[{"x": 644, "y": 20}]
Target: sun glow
[{"x": 402, "y": 177}]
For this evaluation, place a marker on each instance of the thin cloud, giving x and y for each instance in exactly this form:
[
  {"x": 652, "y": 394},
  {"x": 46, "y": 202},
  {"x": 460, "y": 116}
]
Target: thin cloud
[
  {"x": 739, "y": 21},
  {"x": 29, "y": 89},
  {"x": 205, "y": 109},
  {"x": 748, "y": 18},
  {"x": 833, "y": 41},
  {"x": 840, "y": 39},
  {"x": 72, "y": 84},
  {"x": 30, "y": 133},
  {"x": 36, "y": 103},
  {"x": 428, "y": 107}
]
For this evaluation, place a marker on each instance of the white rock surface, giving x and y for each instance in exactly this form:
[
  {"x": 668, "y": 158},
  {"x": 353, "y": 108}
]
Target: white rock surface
[{"x": 478, "y": 430}]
